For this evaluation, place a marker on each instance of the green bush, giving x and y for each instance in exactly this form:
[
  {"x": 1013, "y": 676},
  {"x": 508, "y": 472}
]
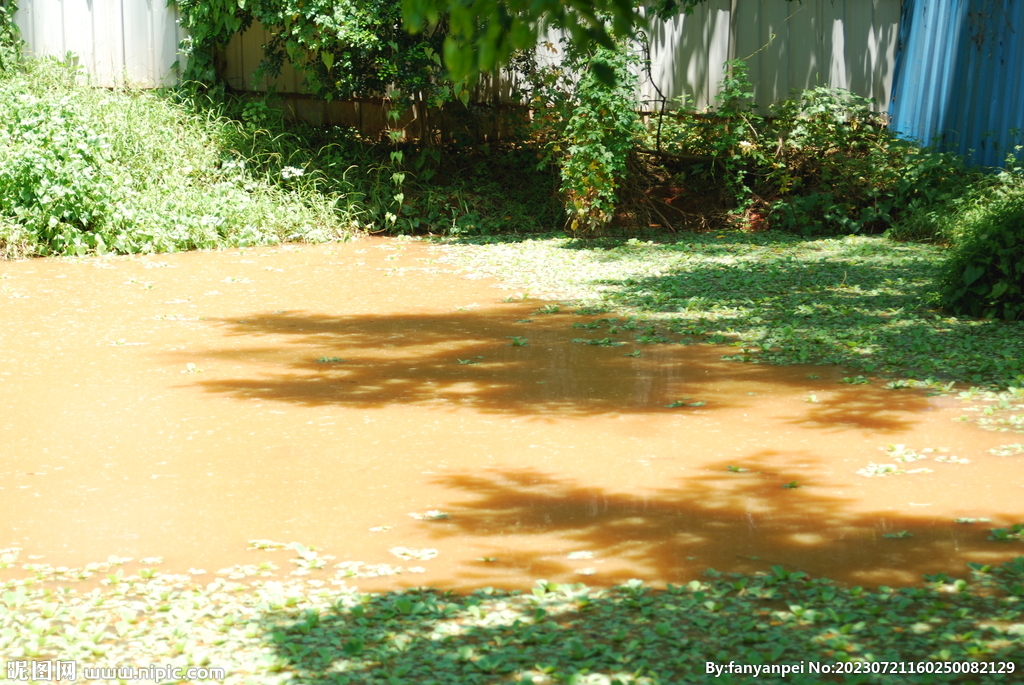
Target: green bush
[
  {"x": 820, "y": 163},
  {"x": 600, "y": 132},
  {"x": 85, "y": 169},
  {"x": 587, "y": 126},
  {"x": 984, "y": 273},
  {"x": 54, "y": 182}
]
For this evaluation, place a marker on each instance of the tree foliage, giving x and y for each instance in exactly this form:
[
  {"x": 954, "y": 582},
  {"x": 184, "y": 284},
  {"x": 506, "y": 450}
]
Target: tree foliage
[
  {"x": 345, "y": 48},
  {"x": 10, "y": 35},
  {"x": 484, "y": 34},
  {"x": 351, "y": 47}
]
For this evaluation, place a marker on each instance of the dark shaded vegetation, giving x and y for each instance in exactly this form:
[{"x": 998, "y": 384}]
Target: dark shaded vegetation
[
  {"x": 402, "y": 188},
  {"x": 822, "y": 162},
  {"x": 631, "y": 634}
]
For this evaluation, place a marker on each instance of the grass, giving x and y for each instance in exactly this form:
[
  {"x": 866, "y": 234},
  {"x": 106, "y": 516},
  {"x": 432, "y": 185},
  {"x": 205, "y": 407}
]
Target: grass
[
  {"x": 316, "y": 629},
  {"x": 772, "y": 297}
]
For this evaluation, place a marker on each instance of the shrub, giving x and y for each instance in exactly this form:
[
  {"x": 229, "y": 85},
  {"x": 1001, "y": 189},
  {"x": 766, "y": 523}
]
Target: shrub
[
  {"x": 10, "y": 37},
  {"x": 821, "y": 163},
  {"x": 599, "y": 135},
  {"x": 55, "y": 183},
  {"x": 984, "y": 273},
  {"x": 588, "y": 126},
  {"x": 85, "y": 169}
]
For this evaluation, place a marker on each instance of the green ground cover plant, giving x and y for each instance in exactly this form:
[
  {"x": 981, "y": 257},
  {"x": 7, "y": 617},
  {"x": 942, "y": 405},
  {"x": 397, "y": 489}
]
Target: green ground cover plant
[
  {"x": 308, "y": 630},
  {"x": 775, "y": 297}
]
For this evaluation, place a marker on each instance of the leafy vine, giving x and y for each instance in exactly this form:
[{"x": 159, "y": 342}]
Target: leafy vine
[
  {"x": 589, "y": 126},
  {"x": 10, "y": 35},
  {"x": 344, "y": 48}
]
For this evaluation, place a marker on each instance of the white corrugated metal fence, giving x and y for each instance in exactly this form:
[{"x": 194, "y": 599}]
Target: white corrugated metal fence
[
  {"x": 117, "y": 42},
  {"x": 789, "y": 45}
]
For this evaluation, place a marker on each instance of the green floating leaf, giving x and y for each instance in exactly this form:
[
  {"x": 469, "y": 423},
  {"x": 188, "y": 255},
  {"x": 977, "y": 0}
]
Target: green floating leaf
[{"x": 684, "y": 403}]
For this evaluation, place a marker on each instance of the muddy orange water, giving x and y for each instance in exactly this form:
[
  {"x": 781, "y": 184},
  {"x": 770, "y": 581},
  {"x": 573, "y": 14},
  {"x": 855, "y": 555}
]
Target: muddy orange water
[{"x": 174, "y": 406}]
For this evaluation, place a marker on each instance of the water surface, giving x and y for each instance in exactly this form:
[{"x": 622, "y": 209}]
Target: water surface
[{"x": 179, "y": 406}]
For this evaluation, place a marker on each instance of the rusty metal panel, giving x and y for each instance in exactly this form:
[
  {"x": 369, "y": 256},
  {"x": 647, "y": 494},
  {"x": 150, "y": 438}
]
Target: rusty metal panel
[
  {"x": 960, "y": 77},
  {"x": 117, "y": 42},
  {"x": 242, "y": 57}
]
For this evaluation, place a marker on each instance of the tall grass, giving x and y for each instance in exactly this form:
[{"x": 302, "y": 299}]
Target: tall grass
[{"x": 86, "y": 169}]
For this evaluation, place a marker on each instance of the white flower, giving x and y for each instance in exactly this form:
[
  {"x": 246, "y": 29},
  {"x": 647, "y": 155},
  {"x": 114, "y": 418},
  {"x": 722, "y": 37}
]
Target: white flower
[{"x": 291, "y": 172}]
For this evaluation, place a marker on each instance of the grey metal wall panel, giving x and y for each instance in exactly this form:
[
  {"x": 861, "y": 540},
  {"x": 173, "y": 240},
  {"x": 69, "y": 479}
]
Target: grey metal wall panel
[
  {"x": 687, "y": 53},
  {"x": 788, "y": 46}
]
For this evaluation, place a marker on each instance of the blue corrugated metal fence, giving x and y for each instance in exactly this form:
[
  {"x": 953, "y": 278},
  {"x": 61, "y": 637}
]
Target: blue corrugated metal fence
[{"x": 959, "y": 80}]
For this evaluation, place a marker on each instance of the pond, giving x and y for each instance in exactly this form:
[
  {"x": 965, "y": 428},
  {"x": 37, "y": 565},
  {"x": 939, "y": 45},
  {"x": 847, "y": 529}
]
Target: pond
[{"x": 367, "y": 400}]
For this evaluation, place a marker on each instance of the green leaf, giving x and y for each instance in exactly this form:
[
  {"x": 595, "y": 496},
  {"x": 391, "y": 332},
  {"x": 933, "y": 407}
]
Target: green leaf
[
  {"x": 604, "y": 73},
  {"x": 973, "y": 273}
]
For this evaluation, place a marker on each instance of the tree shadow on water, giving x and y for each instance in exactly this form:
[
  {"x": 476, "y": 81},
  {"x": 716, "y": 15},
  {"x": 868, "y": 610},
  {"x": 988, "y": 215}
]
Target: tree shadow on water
[
  {"x": 725, "y": 517},
  {"x": 636, "y": 634},
  {"x": 503, "y": 360},
  {"x": 867, "y": 407}
]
